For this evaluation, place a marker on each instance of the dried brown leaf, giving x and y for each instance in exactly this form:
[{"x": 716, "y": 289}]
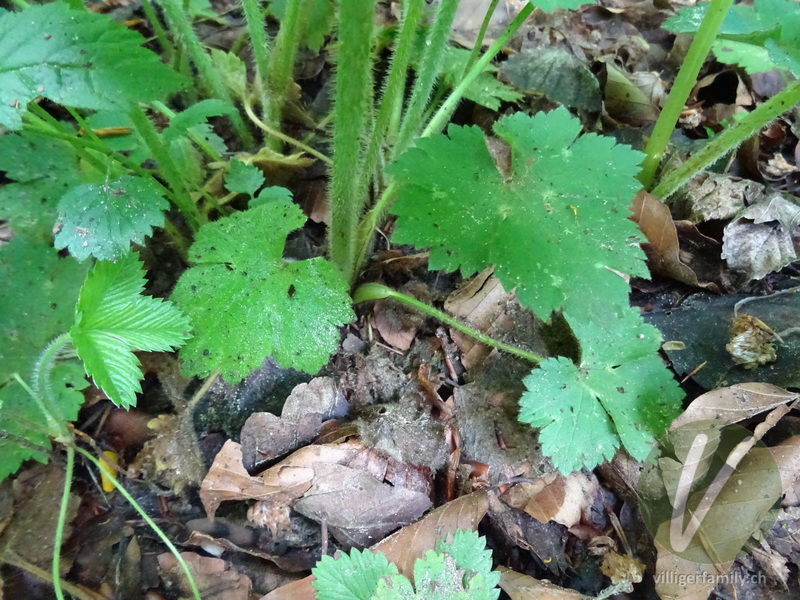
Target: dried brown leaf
[
  {"x": 525, "y": 587},
  {"x": 662, "y": 247},
  {"x": 228, "y": 480},
  {"x": 735, "y": 403},
  {"x": 410, "y": 543}
]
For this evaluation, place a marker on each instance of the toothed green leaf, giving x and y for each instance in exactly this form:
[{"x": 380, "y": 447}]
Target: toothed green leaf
[
  {"x": 113, "y": 319},
  {"x": 77, "y": 58},
  {"x": 247, "y": 302},
  {"x": 102, "y": 220},
  {"x": 242, "y": 178},
  {"x": 351, "y": 576},
  {"x": 558, "y": 218},
  {"x": 619, "y": 393}
]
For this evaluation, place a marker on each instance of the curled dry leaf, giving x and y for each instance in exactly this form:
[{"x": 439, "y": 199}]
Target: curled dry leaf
[
  {"x": 410, "y": 543},
  {"x": 764, "y": 238},
  {"x": 663, "y": 247},
  {"x": 555, "y": 497},
  {"x": 228, "y": 480},
  {"x": 735, "y": 403}
]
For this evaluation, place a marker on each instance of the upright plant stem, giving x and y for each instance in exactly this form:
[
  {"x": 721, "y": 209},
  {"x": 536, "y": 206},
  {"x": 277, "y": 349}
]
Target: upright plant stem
[
  {"x": 161, "y": 35},
  {"x": 730, "y": 138},
  {"x": 167, "y": 165},
  {"x": 681, "y": 88},
  {"x": 258, "y": 39},
  {"x": 279, "y": 77},
  {"x": 181, "y": 23},
  {"x": 476, "y": 49},
  {"x": 62, "y": 520},
  {"x": 427, "y": 72},
  {"x": 373, "y": 218},
  {"x": 392, "y": 99},
  {"x": 42, "y": 392},
  {"x": 444, "y": 113},
  {"x": 376, "y": 291},
  {"x": 156, "y": 529},
  {"x": 353, "y": 101}
]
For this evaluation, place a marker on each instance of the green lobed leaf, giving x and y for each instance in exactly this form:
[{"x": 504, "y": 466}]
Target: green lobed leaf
[
  {"x": 551, "y": 226},
  {"x": 247, "y": 302},
  {"x": 113, "y": 319},
  {"x": 76, "y": 58},
  {"x": 242, "y": 178},
  {"x": 619, "y": 393},
  {"x": 44, "y": 169},
  {"x": 102, "y": 220},
  {"x": 758, "y": 38},
  {"x": 351, "y": 576},
  {"x": 232, "y": 72},
  {"x": 37, "y": 304}
]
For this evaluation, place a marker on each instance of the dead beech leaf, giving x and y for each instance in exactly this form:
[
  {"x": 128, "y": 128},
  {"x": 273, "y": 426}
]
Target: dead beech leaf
[
  {"x": 555, "y": 497},
  {"x": 410, "y": 543},
  {"x": 662, "y": 247},
  {"x": 715, "y": 196},
  {"x": 357, "y": 507},
  {"x": 764, "y": 238},
  {"x": 525, "y": 587},
  {"x": 228, "y": 480},
  {"x": 735, "y": 403}
]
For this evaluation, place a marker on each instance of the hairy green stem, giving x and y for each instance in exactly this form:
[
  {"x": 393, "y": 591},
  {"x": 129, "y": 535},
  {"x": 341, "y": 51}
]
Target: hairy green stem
[
  {"x": 392, "y": 100},
  {"x": 476, "y": 49},
  {"x": 60, "y": 524},
  {"x": 444, "y": 113},
  {"x": 258, "y": 39},
  {"x": 156, "y": 529},
  {"x": 20, "y": 4},
  {"x": 376, "y": 291},
  {"x": 42, "y": 392},
  {"x": 168, "y": 168},
  {"x": 352, "y": 106},
  {"x": 166, "y": 46},
  {"x": 730, "y": 138},
  {"x": 76, "y": 4},
  {"x": 279, "y": 77},
  {"x": 681, "y": 88},
  {"x": 372, "y": 219},
  {"x": 427, "y": 72},
  {"x": 181, "y": 24}
]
